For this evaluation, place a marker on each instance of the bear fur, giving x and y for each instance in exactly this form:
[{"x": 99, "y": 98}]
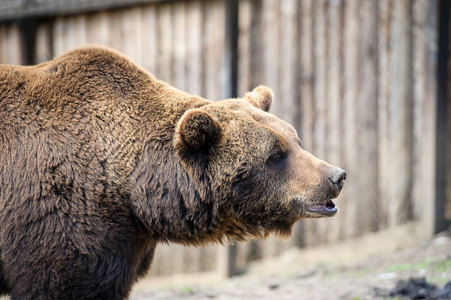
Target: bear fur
[{"x": 100, "y": 162}]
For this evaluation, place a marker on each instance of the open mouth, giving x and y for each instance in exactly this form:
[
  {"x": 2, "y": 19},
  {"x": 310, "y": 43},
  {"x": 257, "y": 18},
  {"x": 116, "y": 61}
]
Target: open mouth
[{"x": 326, "y": 208}]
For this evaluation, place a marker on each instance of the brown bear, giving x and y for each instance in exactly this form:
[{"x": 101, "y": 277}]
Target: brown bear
[{"x": 100, "y": 162}]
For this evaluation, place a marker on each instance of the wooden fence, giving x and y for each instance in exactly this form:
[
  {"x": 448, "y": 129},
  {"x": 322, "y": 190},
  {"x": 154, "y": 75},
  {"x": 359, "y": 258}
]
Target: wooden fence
[{"x": 356, "y": 78}]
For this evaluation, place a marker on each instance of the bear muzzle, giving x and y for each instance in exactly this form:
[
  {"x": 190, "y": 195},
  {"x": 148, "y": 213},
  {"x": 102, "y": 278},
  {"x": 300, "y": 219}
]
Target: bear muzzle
[{"x": 325, "y": 207}]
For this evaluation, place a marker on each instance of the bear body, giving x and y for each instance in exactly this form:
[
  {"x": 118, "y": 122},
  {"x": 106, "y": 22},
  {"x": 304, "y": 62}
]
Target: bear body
[{"x": 100, "y": 162}]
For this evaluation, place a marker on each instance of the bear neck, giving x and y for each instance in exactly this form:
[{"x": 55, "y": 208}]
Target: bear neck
[{"x": 171, "y": 206}]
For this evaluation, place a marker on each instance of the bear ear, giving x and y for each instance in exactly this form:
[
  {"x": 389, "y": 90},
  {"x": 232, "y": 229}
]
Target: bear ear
[
  {"x": 196, "y": 131},
  {"x": 261, "y": 97}
]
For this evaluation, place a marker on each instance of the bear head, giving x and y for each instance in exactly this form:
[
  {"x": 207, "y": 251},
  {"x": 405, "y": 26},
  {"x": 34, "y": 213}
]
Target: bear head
[{"x": 254, "y": 166}]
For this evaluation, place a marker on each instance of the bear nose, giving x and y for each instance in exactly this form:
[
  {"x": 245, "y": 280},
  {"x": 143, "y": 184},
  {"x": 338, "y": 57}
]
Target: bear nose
[{"x": 337, "y": 178}]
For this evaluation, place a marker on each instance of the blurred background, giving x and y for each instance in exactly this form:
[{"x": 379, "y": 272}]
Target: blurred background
[{"x": 364, "y": 82}]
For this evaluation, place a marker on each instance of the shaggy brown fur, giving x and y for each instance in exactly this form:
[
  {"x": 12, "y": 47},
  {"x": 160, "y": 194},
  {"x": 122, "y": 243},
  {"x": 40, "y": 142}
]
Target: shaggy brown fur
[{"x": 100, "y": 162}]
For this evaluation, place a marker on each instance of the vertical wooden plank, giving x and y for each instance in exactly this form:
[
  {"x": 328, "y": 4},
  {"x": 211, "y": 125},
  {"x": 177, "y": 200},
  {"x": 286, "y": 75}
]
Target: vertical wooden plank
[
  {"x": 367, "y": 118},
  {"x": 67, "y": 38},
  {"x": 2, "y": 43},
  {"x": 244, "y": 45},
  {"x": 426, "y": 79},
  {"x": 441, "y": 151},
  {"x": 321, "y": 88},
  {"x": 307, "y": 74},
  {"x": 160, "y": 261},
  {"x": 149, "y": 36},
  {"x": 289, "y": 61},
  {"x": 420, "y": 14},
  {"x": 270, "y": 34},
  {"x": 349, "y": 205},
  {"x": 448, "y": 137},
  {"x": 68, "y": 33},
  {"x": 191, "y": 259},
  {"x": 384, "y": 79},
  {"x": 399, "y": 116},
  {"x": 12, "y": 45},
  {"x": 97, "y": 29},
  {"x": 333, "y": 100},
  {"x": 77, "y": 31},
  {"x": 131, "y": 24},
  {"x": 58, "y": 36},
  {"x": 177, "y": 256},
  {"x": 4, "y": 46},
  {"x": 230, "y": 58},
  {"x": 193, "y": 34},
  {"x": 179, "y": 49},
  {"x": 257, "y": 49},
  {"x": 208, "y": 258},
  {"x": 116, "y": 35},
  {"x": 213, "y": 48},
  {"x": 43, "y": 42},
  {"x": 448, "y": 144},
  {"x": 165, "y": 66},
  {"x": 168, "y": 260},
  {"x": 333, "y": 76},
  {"x": 395, "y": 114}
]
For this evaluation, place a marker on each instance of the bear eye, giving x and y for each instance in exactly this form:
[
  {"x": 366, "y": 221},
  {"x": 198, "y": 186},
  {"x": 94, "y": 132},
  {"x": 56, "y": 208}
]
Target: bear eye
[{"x": 277, "y": 156}]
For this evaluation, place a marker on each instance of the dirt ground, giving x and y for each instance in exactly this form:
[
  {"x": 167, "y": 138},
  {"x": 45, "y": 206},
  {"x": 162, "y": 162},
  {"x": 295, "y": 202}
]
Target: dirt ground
[{"x": 363, "y": 268}]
